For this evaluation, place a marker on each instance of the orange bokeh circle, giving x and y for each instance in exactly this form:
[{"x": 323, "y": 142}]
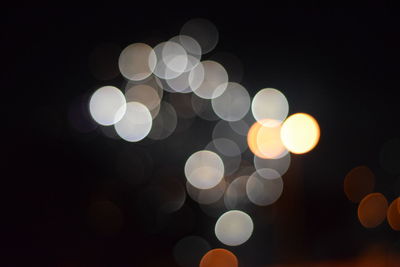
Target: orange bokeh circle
[{"x": 219, "y": 257}]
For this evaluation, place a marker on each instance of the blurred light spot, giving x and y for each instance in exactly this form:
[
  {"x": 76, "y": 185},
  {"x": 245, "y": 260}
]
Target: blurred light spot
[
  {"x": 229, "y": 153},
  {"x": 202, "y": 107},
  {"x": 372, "y": 210},
  {"x": 204, "y": 169},
  {"x": 264, "y": 140},
  {"x": 234, "y": 228},
  {"x": 270, "y": 104},
  {"x": 390, "y": 156},
  {"x": 105, "y": 218},
  {"x": 240, "y": 127},
  {"x": 171, "y": 60},
  {"x": 189, "y": 251},
  {"x": 165, "y": 122},
  {"x": 152, "y": 81},
  {"x": 223, "y": 130},
  {"x": 137, "y": 61},
  {"x": 280, "y": 165},
  {"x": 103, "y": 61},
  {"x": 235, "y": 195},
  {"x": 232, "y": 64},
  {"x": 182, "y": 104},
  {"x": 393, "y": 215},
  {"x": 192, "y": 48},
  {"x": 214, "y": 82},
  {"x": 179, "y": 84},
  {"x": 107, "y": 105},
  {"x": 135, "y": 124},
  {"x": 203, "y": 31},
  {"x": 233, "y": 103},
  {"x": 300, "y": 133},
  {"x": 174, "y": 57},
  {"x": 264, "y": 191},
  {"x": 359, "y": 182},
  {"x": 146, "y": 95},
  {"x": 206, "y": 196}
]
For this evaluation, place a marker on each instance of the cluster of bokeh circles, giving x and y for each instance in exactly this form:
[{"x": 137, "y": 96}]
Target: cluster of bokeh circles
[
  {"x": 359, "y": 187},
  {"x": 163, "y": 83}
]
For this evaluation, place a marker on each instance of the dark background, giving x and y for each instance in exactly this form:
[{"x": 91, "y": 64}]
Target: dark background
[{"x": 340, "y": 65}]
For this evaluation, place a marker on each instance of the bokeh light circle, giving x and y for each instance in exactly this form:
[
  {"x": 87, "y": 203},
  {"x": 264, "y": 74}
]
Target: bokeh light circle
[
  {"x": 208, "y": 79},
  {"x": 264, "y": 140},
  {"x": 234, "y": 228},
  {"x": 263, "y": 191},
  {"x": 146, "y": 95},
  {"x": 300, "y": 133},
  {"x": 107, "y": 105},
  {"x": 233, "y": 103},
  {"x": 270, "y": 104},
  {"x": 204, "y": 169},
  {"x": 393, "y": 215},
  {"x": 372, "y": 210},
  {"x": 136, "y": 122},
  {"x": 203, "y": 31},
  {"x": 359, "y": 182},
  {"x": 219, "y": 257},
  {"x": 137, "y": 61}
]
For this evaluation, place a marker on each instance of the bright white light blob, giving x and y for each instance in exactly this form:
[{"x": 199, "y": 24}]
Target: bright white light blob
[
  {"x": 234, "y": 228},
  {"x": 300, "y": 133},
  {"x": 264, "y": 191},
  {"x": 137, "y": 61},
  {"x": 136, "y": 122},
  {"x": 203, "y": 31},
  {"x": 235, "y": 196},
  {"x": 281, "y": 165},
  {"x": 204, "y": 169},
  {"x": 146, "y": 95},
  {"x": 165, "y": 122},
  {"x": 233, "y": 103},
  {"x": 214, "y": 81},
  {"x": 270, "y": 104},
  {"x": 107, "y": 105},
  {"x": 206, "y": 196}
]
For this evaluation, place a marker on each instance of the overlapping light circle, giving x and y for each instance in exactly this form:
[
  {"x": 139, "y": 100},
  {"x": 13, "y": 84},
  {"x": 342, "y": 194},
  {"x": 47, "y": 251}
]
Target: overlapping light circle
[
  {"x": 270, "y": 104},
  {"x": 137, "y": 61},
  {"x": 208, "y": 79},
  {"x": 233, "y": 103},
  {"x": 107, "y": 105},
  {"x": 204, "y": 169},
  {"x": 136, "y": 122}
]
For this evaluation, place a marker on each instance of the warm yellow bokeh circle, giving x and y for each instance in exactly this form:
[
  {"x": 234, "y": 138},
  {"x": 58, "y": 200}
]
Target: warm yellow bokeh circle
[{"x": 300, "y": 133}]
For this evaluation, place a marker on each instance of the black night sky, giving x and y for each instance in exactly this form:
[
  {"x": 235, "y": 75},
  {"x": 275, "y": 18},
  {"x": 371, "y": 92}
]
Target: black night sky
[{"x": 340, "y": 65}]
